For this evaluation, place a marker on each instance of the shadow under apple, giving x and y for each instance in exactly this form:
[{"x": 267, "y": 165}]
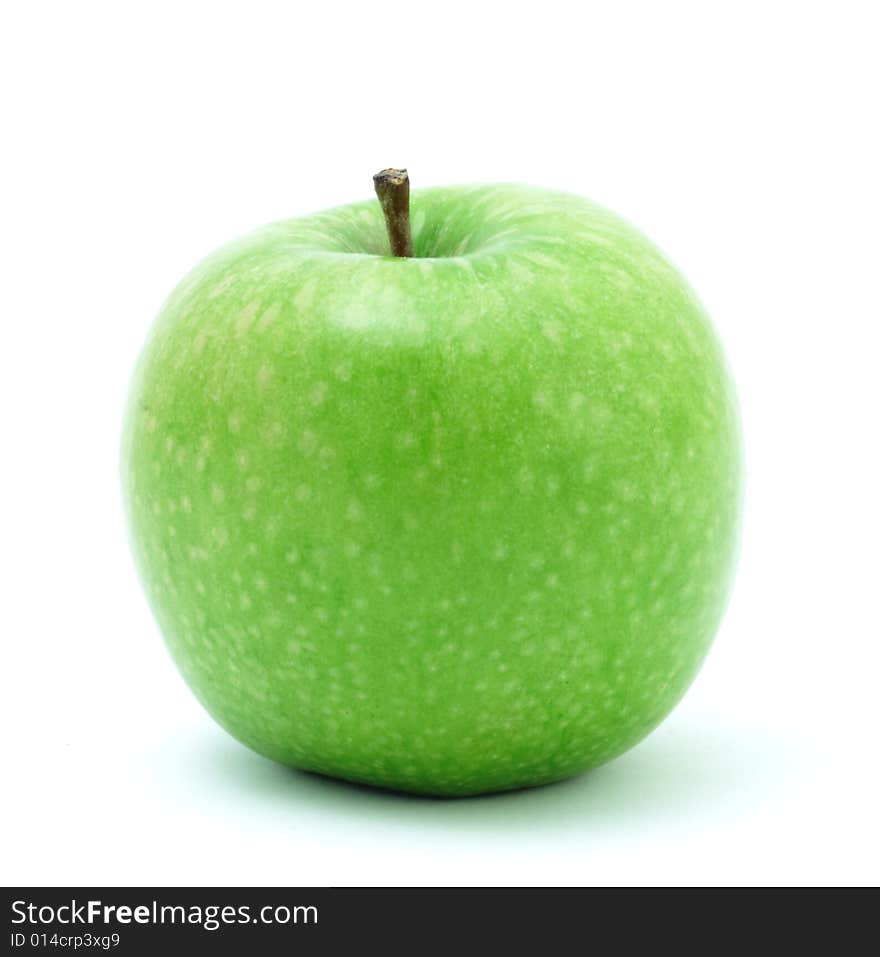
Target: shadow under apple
[{"x": 680, "y": 773}]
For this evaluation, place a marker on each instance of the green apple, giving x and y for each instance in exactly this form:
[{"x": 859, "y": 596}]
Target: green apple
[{"x": 453, "y": 522}]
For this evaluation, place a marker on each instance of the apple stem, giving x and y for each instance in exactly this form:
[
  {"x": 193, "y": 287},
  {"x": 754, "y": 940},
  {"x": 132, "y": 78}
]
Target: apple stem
[{"x": 392, "y": 188}]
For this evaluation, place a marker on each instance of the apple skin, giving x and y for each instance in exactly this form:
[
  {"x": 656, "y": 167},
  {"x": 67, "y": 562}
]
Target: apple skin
[{"x": 451, "y": 524}]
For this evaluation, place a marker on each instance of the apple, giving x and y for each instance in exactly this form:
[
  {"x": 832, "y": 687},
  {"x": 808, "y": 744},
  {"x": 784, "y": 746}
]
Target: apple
[{"x": 453, "y": 520}]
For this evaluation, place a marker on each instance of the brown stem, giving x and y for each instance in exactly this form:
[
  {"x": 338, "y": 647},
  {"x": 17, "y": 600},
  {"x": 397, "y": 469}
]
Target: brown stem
[{"x": 392, "y": 188}]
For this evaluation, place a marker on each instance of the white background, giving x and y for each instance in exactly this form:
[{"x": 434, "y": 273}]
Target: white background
[{"x": 741, "y": 137}]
